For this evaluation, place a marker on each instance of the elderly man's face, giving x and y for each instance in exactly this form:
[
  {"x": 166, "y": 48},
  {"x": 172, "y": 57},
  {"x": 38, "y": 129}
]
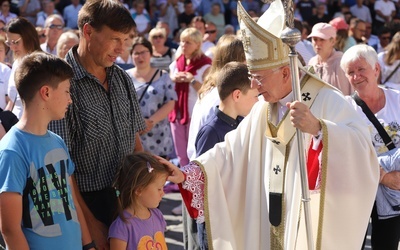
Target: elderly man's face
[
  {"x": 359, "y": 31},
  {"x": 361, "y": 75},
  {"x": 270, "y": 84}
]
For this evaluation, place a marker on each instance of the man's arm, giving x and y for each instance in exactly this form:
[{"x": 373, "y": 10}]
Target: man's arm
[
  {"x": 97, "y": 229},
  {"x": 2, "y": 131},
  {"x": 10, "y": 221},
  {"x": 86, "y": 238},
  {"x": 138, "y": 143}
]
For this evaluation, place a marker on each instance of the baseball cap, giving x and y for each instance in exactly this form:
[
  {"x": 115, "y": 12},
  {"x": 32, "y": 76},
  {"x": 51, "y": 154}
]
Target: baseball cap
[
  {"x": 323, "y": 30},
  {"x": 339, "y": 24}
]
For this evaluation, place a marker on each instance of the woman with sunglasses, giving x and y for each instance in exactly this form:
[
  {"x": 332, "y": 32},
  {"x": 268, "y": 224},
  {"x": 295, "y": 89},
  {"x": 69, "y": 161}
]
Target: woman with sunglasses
[
  {"x": 23, "y": 39},
  {"x": 163, "y": 55}
]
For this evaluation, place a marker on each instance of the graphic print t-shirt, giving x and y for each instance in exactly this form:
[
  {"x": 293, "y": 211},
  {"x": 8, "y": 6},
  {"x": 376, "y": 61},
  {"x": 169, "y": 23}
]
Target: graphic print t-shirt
[
  {"x": 38, "y": 168},
  {"x": 140, "y": 234}
]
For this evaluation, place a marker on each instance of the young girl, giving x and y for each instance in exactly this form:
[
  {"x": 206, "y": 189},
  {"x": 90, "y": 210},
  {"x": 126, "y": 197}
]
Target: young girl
[{"x": 140, "y": 225}]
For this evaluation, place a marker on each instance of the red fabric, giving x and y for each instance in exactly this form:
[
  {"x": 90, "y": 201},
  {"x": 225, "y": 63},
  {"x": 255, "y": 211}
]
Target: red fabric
[
  {"x": 187, "y": 197},
  {"x": 182, "y": 88},
  {"x": 313, "y": 165}
]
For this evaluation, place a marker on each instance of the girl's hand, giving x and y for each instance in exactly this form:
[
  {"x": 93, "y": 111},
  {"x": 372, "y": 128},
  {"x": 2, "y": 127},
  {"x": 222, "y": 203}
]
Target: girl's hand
[{"x": 176, "y": 174}]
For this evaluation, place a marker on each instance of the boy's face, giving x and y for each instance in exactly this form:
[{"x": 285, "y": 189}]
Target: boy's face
[
  {"x": 246, "y": 101},
  {"x": 60, "y": 99}
]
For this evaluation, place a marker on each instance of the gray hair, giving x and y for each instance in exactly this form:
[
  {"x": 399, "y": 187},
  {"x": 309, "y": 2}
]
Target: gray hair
[
  {"x": 55, "y": 16},
  {"x": 356, "y": 52}
]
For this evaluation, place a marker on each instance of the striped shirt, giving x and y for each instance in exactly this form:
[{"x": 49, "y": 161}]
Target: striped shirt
[{"x": 100, "y": 126}]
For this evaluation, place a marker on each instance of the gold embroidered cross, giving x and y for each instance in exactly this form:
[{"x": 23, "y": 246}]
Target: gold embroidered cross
[{"x": 245, "y": 40}]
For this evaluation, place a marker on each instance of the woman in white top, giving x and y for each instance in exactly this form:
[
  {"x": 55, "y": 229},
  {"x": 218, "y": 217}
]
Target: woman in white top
[
  {"x": 389, "y": 61},
  {"x": 360, "y": 64},
  {"x": 187, "y": 71},
  {"x": 22, "y": 39}
]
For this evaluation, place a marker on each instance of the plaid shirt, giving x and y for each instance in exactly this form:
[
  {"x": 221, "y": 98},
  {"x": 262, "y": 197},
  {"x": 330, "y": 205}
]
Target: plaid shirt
[{"x": 99, "y": 127}]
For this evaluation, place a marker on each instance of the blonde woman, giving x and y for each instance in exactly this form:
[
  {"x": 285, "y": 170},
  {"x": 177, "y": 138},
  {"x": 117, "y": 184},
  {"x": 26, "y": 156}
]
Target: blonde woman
[
  {"x": 162, "y": 56},
  {"x": 188, "y": 72},
  {"x": 389, "y": 61},
  {"x": 229, "y": 48}
]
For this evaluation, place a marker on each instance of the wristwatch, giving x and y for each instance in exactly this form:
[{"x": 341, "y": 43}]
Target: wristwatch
[{"x": 193, "y": 81}]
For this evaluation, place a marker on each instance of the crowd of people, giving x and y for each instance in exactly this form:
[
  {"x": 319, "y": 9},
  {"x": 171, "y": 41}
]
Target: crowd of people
[{"x": 96, "y": 97}]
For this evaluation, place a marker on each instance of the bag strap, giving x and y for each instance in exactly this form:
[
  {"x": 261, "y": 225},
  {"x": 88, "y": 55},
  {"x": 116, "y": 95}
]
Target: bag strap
[
  {"x": 392, "y": 73},
  {"x": 148, "y": 85},
  {"x": 382, "y": 132}
]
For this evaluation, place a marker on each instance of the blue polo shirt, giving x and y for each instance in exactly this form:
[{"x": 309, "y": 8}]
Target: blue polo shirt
[{"x": 214, "y": 130}]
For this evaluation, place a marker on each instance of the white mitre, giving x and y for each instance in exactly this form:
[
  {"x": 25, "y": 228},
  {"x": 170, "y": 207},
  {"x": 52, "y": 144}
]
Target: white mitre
[{"x": 261, "y": 41}]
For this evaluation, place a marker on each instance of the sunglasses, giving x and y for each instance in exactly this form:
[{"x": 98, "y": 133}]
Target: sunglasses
[
  {"x": 54, "y": 26},
  {"x": 210, "y": 31},
  {"x": 158, "y": 37},
  {"x": 13, "y": 42}
]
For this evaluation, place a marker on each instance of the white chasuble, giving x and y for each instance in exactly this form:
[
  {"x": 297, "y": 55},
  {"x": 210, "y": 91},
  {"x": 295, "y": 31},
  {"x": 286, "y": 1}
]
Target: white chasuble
[{"x": 237, "y": 183}]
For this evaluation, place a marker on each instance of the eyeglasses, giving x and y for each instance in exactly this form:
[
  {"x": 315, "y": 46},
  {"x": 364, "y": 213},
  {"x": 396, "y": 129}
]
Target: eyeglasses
[
  {"x": 54, "y": 26},
  {"x": 158, "y": 36},
  {"x": 259, "y": 78},
  {"x": 42, "y": 35},
  {"x": 136, "y": 54},
  {"x": 13, "y": 42},
  {"x": 361, "y": 30},
  {"x": 210, "y": 31}
]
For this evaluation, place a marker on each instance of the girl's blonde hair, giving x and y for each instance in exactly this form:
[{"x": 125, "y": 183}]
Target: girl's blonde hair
[
  {"x": 393, "y": 50},
  {"x": 138, "y": 170},
  {"x": 229, "y": 49},
  {"x": 341, "y": 39}
]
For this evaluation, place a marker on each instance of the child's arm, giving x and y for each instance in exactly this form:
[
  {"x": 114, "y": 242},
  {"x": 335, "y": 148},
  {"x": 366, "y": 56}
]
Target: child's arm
[
  {"x": 10, "y": 221},
  {"x": 86, "y": 238}
]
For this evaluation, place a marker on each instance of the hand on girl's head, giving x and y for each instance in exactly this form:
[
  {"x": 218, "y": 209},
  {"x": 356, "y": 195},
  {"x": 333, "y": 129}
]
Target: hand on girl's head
[{"x": 176, "y": 174}]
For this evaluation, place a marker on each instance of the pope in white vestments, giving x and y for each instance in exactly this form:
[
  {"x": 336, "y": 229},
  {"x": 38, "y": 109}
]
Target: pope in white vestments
[{"x": 229, "y": 187}]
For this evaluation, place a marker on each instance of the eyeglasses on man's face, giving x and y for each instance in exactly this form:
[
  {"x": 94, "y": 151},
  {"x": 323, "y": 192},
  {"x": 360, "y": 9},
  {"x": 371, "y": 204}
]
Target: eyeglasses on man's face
[
  {"x": 210, "y": 31},
  {"x": 13, "y": 42},
  {"x": 260, "y": 78},
  {"x": 55, "y": 26}
]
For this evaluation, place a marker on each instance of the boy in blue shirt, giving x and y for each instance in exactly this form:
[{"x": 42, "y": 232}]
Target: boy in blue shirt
[
  {"x": 237, "y": 98},
  {"x": 38, "y": 208}
]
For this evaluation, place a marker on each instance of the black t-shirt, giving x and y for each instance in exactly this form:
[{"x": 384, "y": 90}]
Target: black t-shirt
[{"x": 305, "y": 8}]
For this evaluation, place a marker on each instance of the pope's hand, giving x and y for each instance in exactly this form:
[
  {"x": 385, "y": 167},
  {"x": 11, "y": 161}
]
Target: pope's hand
[
  {"x": 176, "y": 174},
  {"x": 302, "y": 118}
]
